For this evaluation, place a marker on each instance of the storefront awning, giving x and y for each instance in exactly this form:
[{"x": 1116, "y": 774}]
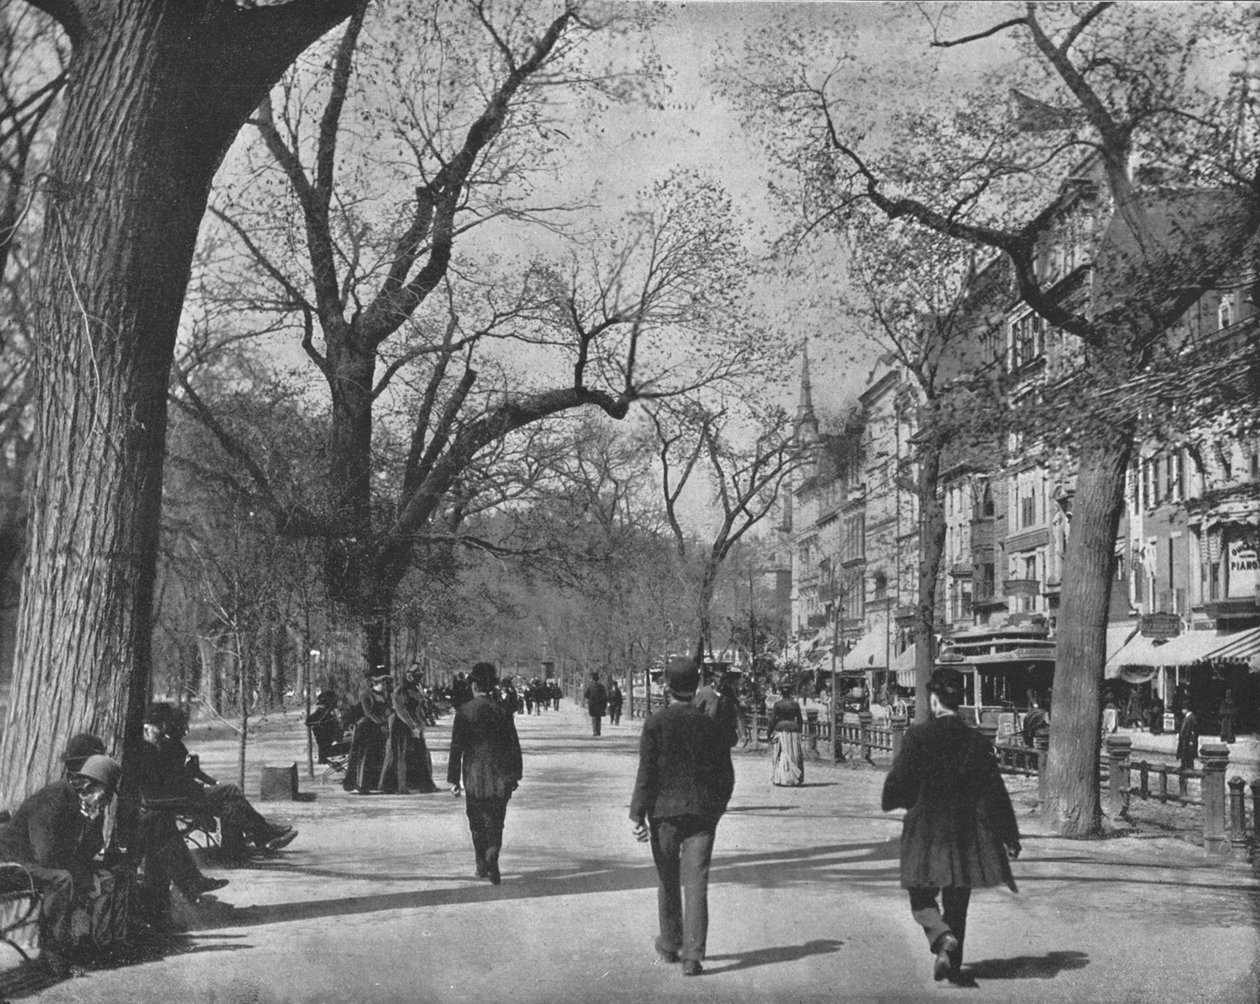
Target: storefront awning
[
  {"x": 903, "y": 666},
  {"x": 1186, "y": 649},
  {"x": 871, "y": 650}
]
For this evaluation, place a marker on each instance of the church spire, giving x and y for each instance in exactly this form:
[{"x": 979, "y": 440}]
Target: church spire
[{"x": 806, "y": 421}]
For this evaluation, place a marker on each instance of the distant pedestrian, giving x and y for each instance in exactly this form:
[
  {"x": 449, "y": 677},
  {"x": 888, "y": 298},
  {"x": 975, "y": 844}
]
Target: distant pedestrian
[
  {"x": 615, "y": 700},
  {"x": 1155, "y": 716},
  {"x": 786, "y": 756},
  {"x": 960, "y": 831},
  {"x": 684, "y": 781},
  {"x": 596, "y": 698},
  {"x": 556, "y": 694},
  {"x": 485, "y": 763},
  {"x": 717, "y": 700},
  {"x": 1228, "y": 713},
  {"x": 1188, "y": 740}
]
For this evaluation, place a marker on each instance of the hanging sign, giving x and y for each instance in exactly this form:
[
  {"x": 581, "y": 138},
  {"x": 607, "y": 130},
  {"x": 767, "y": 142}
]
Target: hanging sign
[
  {"x": 1160, "y": 626},
  {"x": 1244, "y": 569}
]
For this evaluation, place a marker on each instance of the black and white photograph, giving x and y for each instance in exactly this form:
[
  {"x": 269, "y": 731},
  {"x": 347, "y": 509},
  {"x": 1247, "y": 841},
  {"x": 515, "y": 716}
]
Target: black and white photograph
[{"x": 557, "y": 501}]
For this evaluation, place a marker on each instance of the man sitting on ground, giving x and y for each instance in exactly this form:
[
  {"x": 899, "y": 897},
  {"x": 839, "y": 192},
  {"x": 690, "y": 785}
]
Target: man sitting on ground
[{"x": 172, "y": 780}]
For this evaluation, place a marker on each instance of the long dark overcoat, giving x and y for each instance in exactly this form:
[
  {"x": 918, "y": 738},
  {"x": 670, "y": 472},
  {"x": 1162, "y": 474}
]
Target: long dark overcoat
[
  {"x": 485, "y": 751},
  {"x": 959, "y": 814}
]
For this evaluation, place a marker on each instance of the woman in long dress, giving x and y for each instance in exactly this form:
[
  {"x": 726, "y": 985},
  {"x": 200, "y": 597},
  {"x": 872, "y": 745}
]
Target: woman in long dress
[
  {"x": 368, "y": 747},
  {"x": 784, "y": 726},
  {"x": 406, "y": 767}
]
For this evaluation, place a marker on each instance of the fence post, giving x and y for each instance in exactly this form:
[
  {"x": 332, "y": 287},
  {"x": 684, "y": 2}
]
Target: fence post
[
  {"x": 1042, "y": 746},
  {"x": 1118, "y": 749},
  {"x": 864, "y": 728},
  {"x": 1237, "y": 817},
  {"x": 1215, "y": 762},
  {"x": 1255, "y": 826},
  {"x": 898, "y": 730}
]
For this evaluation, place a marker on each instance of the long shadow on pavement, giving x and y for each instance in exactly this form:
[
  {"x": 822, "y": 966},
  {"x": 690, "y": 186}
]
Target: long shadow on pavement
[
  {"x": 772, "y": 956},
  {"x": 849, "y": 863},
  {"x": 1026, "y": 967}
]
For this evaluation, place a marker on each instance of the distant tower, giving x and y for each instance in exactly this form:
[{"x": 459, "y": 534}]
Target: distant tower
[{"x": 806, "y": 422}]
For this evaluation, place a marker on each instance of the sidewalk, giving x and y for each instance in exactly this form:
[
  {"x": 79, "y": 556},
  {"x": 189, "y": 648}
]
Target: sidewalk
[
  {"x": 375, "y": 901},
  {"x": 1244, "y": 752}
]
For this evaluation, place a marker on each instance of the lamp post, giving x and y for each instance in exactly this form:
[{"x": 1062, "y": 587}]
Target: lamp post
[{"x": 752, "y": 628}]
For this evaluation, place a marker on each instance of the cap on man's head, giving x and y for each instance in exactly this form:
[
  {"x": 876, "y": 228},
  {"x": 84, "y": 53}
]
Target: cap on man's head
[
  {"x": 103, "y": 769},
  {"x": 946, "y": 681},
  {"x": 160, "y": 713},
  {"x": 483, "y": 675},
  {"x": 81, "y": 747},
  {"x": 682, "y": 675}
]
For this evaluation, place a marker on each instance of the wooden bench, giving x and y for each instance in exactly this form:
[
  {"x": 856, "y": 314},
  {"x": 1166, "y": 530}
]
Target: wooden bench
[{"x": 19, "y": 909}]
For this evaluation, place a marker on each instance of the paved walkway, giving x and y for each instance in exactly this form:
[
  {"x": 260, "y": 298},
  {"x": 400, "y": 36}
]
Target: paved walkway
[{"x": 375, "y": 901}]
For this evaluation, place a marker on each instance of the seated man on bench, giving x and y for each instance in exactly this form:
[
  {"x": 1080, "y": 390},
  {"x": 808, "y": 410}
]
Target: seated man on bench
[
  {"x": 173, "y": 781},
  {"x": 327, "y": 730},
  {"x": 57, "y": 834},
  {"x": 166, "y": 857}
]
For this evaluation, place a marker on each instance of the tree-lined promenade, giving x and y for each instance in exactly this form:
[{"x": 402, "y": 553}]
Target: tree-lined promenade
[{"x": 377, "y": 901}]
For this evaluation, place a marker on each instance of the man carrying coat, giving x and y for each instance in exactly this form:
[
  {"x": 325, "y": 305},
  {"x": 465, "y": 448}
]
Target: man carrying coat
[
  {"x": 485, "y": 761},
  {"x": 959, "y": 831},
  {"x": 684, "y": 781}
]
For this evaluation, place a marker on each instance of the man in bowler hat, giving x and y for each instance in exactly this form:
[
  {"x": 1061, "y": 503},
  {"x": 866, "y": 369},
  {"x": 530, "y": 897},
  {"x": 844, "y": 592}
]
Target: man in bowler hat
[
  {"x": 959, "y": 831},
  {"x": 485, "y": 761},
  {"x": 684, "y": 781}
]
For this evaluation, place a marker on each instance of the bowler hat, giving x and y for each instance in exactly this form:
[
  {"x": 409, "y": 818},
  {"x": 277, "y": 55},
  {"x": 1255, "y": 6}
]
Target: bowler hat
[
  {"x": 483, "y": 675},
  {"x": 682, "y": 675},
  {"x": 82, "y": 746},
  {"x": 946, "y": 681}
]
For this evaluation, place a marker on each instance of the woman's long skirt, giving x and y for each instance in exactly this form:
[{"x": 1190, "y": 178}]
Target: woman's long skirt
[
  {"x": 788, "y": 759},
  {"x": 367, "y": 756},
  {"x": 407, "y": 766}
]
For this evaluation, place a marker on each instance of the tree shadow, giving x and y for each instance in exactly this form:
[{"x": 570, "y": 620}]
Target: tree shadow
[
  {"x": 1026, "y": 967},
  {"x": 772, "y": 956}
]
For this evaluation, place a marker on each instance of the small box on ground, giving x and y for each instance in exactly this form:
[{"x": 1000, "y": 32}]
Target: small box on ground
[{"x": 279, "y": 783}]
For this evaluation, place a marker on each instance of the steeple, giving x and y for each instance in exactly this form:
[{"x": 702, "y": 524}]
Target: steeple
[{"x": 806, "y": 421}]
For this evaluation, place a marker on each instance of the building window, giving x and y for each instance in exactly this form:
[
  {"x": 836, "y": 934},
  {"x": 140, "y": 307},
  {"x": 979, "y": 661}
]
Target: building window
[{"x": 1027, "y": 340}]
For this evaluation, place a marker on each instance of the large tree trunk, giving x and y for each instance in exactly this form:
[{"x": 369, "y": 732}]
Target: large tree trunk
[
  {"x": 1088, "y": 570},
  {"x": 931, "y": 547},
  {"x": 158, "y": 91}
]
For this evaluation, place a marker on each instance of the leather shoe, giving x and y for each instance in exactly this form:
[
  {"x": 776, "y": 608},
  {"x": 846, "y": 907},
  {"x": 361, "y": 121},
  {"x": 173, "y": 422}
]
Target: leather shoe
[
  {"x": 944, "y": 962},
  {"x": 692, "y": 967},
  {"x": 282, "y": 841}
]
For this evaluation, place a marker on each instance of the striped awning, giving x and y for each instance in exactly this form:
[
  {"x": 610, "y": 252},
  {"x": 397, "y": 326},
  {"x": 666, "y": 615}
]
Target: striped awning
[
  {"x": 1242, "y": 646},
  {"x": 1188, "y": 648}
]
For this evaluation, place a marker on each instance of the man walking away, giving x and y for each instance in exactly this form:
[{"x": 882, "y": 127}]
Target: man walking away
[
  {"x": 960, "y": 827},
  {"x": 596, "y": 698},
  {"x": 684, "y": 781},
  {"x": 485, "y": 760},
  {"x": 615, "y": 700}
]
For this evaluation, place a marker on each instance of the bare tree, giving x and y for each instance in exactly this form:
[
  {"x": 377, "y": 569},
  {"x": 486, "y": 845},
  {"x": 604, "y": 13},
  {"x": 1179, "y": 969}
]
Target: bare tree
[{"x": 1128, "y": 86}]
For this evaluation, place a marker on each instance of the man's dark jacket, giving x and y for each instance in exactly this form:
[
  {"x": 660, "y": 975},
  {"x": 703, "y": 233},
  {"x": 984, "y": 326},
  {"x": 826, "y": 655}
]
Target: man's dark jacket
[
  {"x": 960, "y": 816},
  {"x": 49, "y": 830},
  {"x": 596, "y": 698},
  {"x": 684, "y": 766},
  {"x": 722, "y": 706},
  {"x": 485, "y": 750}
]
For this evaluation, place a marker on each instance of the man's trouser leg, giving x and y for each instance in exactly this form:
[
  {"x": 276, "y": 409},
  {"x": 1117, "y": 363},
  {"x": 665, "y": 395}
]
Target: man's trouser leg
[
  {"x": 928, "y": 915},
  {"x": 595, "y": 721},
  {"x": 682, "y": 848},
  {"x": 486, "y": 817},
  {"x": 56, "y": 887},
  {"x": 229, "y": 803}
]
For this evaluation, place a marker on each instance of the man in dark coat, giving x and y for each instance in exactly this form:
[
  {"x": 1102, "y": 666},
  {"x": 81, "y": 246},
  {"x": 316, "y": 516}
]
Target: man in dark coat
[
  {"x": 485, "y": 761},
  {"x": 615, "y": 701},
  {"x": 57, "y": 834},
  {"x": 959, "y": 831},
  {"x": 1188, "y": 740},
  {"x": 717, "y": 701},
  {"x": 596, "y": 698},
  {"x": 171, "y": 780},
  {"x": 684, "y": 781}
]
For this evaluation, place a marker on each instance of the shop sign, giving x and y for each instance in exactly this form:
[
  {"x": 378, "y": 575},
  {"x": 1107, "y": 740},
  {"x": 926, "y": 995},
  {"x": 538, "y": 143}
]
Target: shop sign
[
  {"x": 1160, "y": 626},
  {"x": 1244, "y": 569}
]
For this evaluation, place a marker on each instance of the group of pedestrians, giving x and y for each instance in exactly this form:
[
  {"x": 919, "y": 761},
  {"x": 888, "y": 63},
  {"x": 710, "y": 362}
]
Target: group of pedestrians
[
  {"x": 959, "y": 832},
  {"x": 600, "y": 701},
  {"x": 388, "y": 752}
]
